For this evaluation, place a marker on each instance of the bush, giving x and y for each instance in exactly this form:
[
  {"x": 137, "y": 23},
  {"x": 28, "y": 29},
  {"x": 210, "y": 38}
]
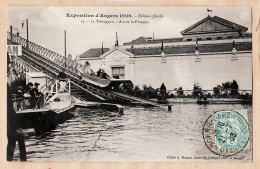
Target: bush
[
  {"x": 197, "y": 90},
  {"x": 228, "y": 88},
  {"x": 217, "y": 90}
]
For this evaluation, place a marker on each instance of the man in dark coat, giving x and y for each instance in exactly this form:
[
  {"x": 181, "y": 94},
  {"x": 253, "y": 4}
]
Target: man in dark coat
[
  {"x": 62, "y": 79},
  {"x": 19, "y": 97},
  {"x": 62, "y": 76},
  {"x": 14, "y": 133},
  {"x": 163, "y": 90}
]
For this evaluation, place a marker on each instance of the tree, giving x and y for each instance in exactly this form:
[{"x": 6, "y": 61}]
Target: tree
[
  {"x": 234, "y": 88},
  {"x": 197, "y": 90},
  {"x": 216, "y": 90}
]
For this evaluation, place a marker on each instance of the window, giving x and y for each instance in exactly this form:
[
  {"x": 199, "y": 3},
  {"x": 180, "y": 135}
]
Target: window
[
  {"x": 199, "y": 39},
  {"x": 118, "y": 72},
  {"x": 209, "y": 38},
  {"x": 230, "y": 37},
  {"x": 189, "y": 39},
  {"x": 218, "y": 38}
]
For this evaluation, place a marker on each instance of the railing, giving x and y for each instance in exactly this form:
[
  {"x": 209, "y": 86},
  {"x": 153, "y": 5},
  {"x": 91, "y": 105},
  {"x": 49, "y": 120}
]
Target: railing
[
  {"x": 29, "y": 102},
  {"x": 37, "y": 102},
  {"x": 47, "y": 85},
  {"x": 57, "y": 61},
  {"x": 73, "y": 71},
  {"x": 156, "y": 93},
  {"x": 58, "y": 87},
  {"x": 48, "y": 54}
]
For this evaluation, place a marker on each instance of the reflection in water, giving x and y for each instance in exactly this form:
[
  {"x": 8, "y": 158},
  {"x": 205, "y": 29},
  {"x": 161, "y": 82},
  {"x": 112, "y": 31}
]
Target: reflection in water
[{"x": 142, "y": 134}]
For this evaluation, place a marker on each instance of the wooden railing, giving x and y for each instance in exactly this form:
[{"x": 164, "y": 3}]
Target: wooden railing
[{"x": 48, "y": 54}]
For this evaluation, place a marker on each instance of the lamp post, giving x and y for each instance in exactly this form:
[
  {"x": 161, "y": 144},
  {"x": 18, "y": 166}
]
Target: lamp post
[
  {"x": 27, "y": 31},
  {"x": 11, "y": 32},
  {"x": 65, "y": 50}
]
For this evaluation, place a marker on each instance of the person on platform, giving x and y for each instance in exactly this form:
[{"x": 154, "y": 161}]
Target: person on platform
[
  {"x": 27, "y": 96},
  {"x": 92, "y": 73},
  {"x": 36, "y": 88},
  {"x": 99, "y": 72},
  {"x": 105, "y": 75},
  {"x": 20, "y": 98},
  {"x": 62, "y": 76},
  {"x": 32, "y": 97},
  {"x": 37, "y": 94},
  {"x": 163, "y": 90},
  {"x": 62, "y": 79},
  {"x": 14, "y": 132}
]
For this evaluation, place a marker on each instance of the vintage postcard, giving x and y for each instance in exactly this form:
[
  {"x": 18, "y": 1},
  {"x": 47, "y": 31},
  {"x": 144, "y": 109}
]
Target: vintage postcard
[{"x": 129, "y": 84}]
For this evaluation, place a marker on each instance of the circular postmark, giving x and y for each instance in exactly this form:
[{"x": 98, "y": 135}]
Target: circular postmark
[{"x": 226, "y": 133}]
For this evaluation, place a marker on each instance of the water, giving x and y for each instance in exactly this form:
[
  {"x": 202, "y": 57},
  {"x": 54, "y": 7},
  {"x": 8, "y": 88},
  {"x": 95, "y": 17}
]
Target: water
[{"x": 142, "y": 134}]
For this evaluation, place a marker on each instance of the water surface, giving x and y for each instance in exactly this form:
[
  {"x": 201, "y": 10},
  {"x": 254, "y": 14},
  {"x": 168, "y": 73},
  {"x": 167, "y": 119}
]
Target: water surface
[{"x": 142, "y": 134}]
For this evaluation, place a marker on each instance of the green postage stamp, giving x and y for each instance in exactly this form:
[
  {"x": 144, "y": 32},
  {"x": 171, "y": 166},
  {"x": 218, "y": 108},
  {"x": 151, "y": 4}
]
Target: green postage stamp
[{"x": 227, "y": 132}]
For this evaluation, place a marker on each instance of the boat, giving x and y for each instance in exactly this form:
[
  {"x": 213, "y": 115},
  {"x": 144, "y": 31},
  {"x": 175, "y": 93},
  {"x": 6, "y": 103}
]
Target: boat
[
  {"x": 101, "y": 82},
  {"x": 202, "y": 101},
  {"x": 55, "y": 108}
]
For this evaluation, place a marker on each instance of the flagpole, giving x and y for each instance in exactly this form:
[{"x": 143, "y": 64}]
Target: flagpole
[
  {"x": 116, "y": 40},
  {"x": 162, "y": 46}
]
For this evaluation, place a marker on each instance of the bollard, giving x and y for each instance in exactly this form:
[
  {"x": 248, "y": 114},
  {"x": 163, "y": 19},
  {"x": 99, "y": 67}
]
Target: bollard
[
  {"x": 121, "y": 111},
  {"x": 169, "y": 108}
]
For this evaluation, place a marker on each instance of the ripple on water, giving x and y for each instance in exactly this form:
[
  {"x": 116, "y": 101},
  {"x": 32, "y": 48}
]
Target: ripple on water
[{"x": 142, "y": 134}]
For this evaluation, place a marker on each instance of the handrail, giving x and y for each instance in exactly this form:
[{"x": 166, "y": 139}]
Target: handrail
[
  {"x": 47, "y": 85},
  {"x": 131, "y": 99},
  {"x": 48, "y": 54}
]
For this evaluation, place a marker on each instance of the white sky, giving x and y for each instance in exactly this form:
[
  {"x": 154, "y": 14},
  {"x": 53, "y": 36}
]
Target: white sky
[{"x": 47, "y": 24}]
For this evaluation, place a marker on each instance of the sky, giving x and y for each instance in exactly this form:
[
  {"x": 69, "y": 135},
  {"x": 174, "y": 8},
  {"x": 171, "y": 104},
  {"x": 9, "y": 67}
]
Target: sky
[{"x": 47, "y": 24}]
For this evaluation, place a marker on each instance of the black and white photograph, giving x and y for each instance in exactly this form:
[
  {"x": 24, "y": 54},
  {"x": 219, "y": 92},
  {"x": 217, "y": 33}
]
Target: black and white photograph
[{"x": 129, "y": 84}]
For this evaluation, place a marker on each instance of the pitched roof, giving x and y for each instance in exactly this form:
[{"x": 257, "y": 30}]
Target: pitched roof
[
  {"x": 232, "y": 25},
  {"x": 208, "y": 48},
  {"x": 149, "y": 40},
  {"x": 165, "y": 40},
  {"x": 139, "y": 40},
  {"x": 94, "y": 52},
  {"x": 229, "y": 23},
  {"x": 116, "y": 49}
]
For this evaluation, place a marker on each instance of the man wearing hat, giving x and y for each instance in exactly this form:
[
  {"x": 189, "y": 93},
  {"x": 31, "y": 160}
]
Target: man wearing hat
[
  {"x": 14, "y": 132},
  {"x": 62, "y": 79},
  {"x": 19, "y": 97},
  {"x": 37, "y": 94},
  {"x": 34, "y": 92}
]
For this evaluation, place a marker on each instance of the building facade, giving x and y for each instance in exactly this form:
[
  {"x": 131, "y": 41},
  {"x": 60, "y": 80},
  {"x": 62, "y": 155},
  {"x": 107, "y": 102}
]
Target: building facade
[{"x": 224, "y": 53}]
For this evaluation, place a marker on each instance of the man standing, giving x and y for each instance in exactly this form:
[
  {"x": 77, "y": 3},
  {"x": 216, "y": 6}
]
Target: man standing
[
  {"x": 62, "y": 76},
  {"x": 163, "y": 91},
  {"x": 14, "y": 133},
  {"x": 62, "y": 79}
]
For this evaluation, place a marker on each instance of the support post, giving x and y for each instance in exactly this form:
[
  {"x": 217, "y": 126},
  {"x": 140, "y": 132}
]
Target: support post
[
  {"x": 121, "y": 111},
  {"x": 11, "y": 32},
  {"x": 169, "y": 108},
  {"x": 65, "y": 51},
  {"x": 27, "y": 30}
]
